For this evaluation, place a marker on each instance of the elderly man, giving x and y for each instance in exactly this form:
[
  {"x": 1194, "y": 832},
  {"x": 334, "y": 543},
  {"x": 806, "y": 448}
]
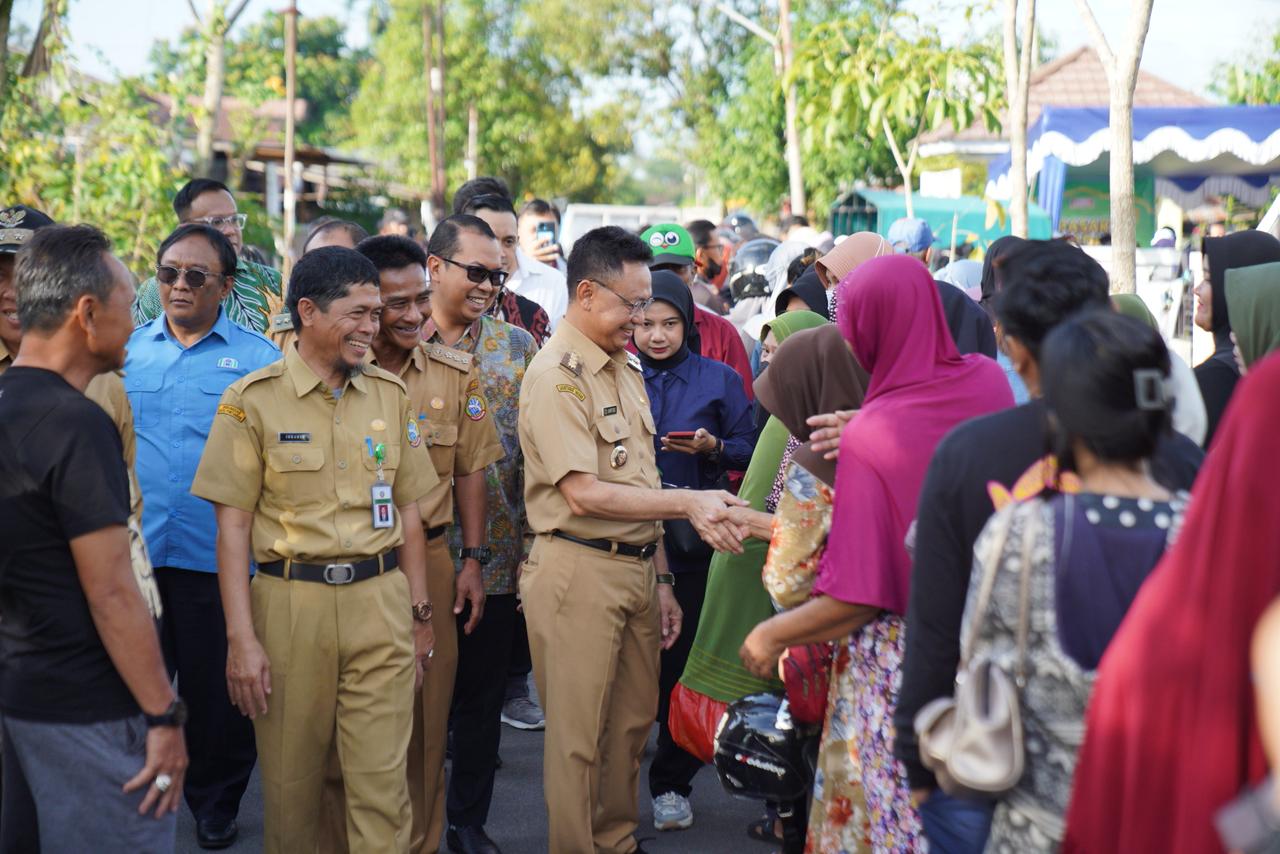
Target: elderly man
[
  {"x": 87, "y": 703},
  {"x": 255, "y": 294},
  {"x": 178, "y": 366}
]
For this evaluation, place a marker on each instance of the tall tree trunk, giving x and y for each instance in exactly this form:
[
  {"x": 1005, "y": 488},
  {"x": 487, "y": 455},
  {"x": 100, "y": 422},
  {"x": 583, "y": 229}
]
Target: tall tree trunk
[
  {"x": 795, "y": 169},
  {"x": 39, "y": 60},
  {"x": 215, "y": 72},
  {"x": 6, "y": 8},
  {"x": 1017, "y": 70}
]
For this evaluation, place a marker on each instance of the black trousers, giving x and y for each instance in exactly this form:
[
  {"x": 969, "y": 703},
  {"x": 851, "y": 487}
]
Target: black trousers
[
  {"x": 521, "y": 663},
  {"x": 220, "y": 744},
  {"x": 673, "y": 768},
  {"x": 479, "y": 690}
]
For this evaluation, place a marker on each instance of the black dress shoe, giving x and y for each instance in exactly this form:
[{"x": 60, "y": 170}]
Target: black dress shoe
[
  {"x": 470, "y": 839},
  {"x": 212, "y": 833}
]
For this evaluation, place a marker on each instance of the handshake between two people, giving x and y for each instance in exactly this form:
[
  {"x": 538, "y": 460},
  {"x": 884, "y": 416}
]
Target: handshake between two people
[{"x": 717, "y": 517}]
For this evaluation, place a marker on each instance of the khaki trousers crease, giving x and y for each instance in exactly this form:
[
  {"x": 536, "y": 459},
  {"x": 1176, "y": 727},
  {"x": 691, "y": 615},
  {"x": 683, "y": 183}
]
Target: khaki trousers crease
[
  {"x": 594, "y": 636},
  {"x": 342, "y": 679},
  {"x": 426, "y": 747}
]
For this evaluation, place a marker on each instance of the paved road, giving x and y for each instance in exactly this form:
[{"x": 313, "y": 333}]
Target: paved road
[{"x": 518, "y": 819}]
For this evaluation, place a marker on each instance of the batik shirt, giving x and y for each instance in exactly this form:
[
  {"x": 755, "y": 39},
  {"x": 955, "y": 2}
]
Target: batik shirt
[
  {"x": 502, "y": 352},
  {"x": 252, "y": 300}
]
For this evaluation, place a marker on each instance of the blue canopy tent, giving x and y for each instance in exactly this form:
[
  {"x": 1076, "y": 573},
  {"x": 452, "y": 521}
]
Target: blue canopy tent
[{"x": 1191, "y": 151}]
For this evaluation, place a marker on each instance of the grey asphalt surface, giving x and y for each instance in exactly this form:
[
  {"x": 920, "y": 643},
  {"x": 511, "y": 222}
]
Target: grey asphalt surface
[{"x": 518, "y": 818}]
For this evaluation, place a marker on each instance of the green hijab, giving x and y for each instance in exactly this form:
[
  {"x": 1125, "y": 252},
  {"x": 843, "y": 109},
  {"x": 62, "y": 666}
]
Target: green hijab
[
  {"x": 736, "y": 600},
  {"x": 1253, "y": 302},
  {"x": 1132, "y": 305}
]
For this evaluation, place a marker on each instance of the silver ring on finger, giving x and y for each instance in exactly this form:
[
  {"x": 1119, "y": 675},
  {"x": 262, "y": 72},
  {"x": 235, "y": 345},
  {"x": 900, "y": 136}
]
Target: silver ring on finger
[
  {"x": 430, "y": 653},
  {"x": 163, "y": 782}
]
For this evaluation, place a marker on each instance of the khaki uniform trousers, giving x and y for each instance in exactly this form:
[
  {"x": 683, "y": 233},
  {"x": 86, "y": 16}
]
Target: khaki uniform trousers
[
  {"x": 594, "y": 634},
  {"x": 342, "y": 674},
  {"x": 426, "y": 745}
]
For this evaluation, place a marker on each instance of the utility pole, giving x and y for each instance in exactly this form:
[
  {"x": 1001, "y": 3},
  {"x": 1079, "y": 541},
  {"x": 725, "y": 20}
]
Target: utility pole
[
  {"x": 290, "y": 93},
  {"x": 433, "y": 61}
]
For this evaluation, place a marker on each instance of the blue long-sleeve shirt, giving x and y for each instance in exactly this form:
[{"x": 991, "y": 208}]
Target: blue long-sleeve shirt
[
  {"x": 174, "y": 392},
  {"x": 705, "y": 393}
]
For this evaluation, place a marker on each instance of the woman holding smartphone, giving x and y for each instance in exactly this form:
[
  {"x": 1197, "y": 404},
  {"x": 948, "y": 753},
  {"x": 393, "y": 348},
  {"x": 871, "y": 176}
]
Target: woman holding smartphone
[{"x": 704, "y": 430}]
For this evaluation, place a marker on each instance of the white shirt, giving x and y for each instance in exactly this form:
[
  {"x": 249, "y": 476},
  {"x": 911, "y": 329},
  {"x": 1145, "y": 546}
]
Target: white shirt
[{"x": 543, "y": 284}]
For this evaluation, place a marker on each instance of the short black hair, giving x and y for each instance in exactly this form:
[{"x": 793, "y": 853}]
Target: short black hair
[
  {"x": 226, "y": 252},
  {"x": 793, "y": 221},
  {"x": 703, "y": 232},
  {"x": 489, "y": 202},
  {"x": 194, "y": 189},
  {"x": 801, "y": 263},
  {"x": 328, "y": 223},
  {"x": 1094, "y": 364},
  {"x": 602, "y": 252},
  {"x": 1042, "y": 283},
  {"x": 395, "y": 215},
  {"x": 486, "y": 185},
  {"x": 392, "y": 252},
  {"x": 444, "y": 240},
  {"x": 327, "y": 274},
  {"x": 57, "y": 266},
  {"x": 540, "y": 207}
]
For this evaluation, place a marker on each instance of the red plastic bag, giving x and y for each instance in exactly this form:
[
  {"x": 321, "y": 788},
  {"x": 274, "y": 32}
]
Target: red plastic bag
[
  {"x": 693, "y": 720},
  {"x": 806, "y": 673}
]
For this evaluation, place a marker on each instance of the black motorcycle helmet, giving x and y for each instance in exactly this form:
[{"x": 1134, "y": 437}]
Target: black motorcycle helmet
[
  {"x": 760, "y": 754},
  {"x": 743, "y": 227},
  {"x": 747, "y": 270}
]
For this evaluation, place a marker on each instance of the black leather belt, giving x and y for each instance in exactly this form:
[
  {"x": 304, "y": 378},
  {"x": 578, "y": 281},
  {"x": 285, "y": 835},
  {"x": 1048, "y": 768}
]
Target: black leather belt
[
  {"x": 610, "y": 546},
  {"x": 437, "y": 531},
  {"x": 331, "y": 573}
]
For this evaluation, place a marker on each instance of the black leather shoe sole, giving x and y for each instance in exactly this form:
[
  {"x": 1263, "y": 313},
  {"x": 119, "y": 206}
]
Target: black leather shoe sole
[{"x": 213, "y": 836}]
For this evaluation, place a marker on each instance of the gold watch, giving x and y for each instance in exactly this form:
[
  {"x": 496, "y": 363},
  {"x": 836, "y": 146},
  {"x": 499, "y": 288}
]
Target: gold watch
[{"x": 422, "y": 611}]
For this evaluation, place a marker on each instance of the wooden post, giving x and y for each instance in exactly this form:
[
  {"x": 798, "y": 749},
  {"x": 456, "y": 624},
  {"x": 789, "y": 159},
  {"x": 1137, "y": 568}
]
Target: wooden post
[{"x": 290, "y": 93}]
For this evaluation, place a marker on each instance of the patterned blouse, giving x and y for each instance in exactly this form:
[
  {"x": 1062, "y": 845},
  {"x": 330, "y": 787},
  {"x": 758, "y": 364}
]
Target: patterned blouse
[
  {"x": 800, "y": 528},
  {"x": 253, "y": 298}
]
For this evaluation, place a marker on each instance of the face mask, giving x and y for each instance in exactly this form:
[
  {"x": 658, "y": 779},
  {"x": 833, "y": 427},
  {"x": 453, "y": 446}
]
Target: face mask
[{"x": 711, "y": 269}]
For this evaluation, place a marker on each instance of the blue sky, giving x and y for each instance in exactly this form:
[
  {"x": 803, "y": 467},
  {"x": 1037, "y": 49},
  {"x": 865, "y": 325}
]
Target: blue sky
[{"x": 1187, "y": 37}]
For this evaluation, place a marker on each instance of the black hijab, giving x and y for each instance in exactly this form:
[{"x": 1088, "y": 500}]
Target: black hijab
[
  {"x": 671, "y": 289},
  {"x": 1000, "y": 246},
  {"x": 809, "y": 288},
  {"x": 969, "y": 324},
  {"x": 1242, "y": 249}
]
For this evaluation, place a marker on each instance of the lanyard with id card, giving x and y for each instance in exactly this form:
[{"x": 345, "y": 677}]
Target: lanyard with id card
[{"x": 384, "y": 513}]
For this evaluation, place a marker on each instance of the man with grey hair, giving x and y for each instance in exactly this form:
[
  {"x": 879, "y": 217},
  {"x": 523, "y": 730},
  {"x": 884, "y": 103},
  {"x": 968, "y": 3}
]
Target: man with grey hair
[{"x": 86, "y": 699}]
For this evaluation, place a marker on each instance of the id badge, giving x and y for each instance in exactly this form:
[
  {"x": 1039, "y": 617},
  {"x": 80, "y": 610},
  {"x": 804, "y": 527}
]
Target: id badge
[{"x": 384, "y": 512}]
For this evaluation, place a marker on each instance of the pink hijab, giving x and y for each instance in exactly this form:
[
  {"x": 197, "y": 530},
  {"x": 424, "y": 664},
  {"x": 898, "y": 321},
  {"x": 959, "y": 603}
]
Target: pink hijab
[
  {"x": 854, "y": 250},
  {"x": 889, "y": 311}
]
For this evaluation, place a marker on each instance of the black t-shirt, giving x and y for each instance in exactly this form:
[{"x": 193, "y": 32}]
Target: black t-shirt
[
  {"x": 62, "y": 475},
  {"x": 954, "y": 506}
]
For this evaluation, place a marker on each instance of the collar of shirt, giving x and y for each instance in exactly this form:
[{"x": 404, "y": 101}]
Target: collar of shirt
[
  {"x": 305, "y": 379},
  {"x": 527, "y": 268},
  {"x": 681, "y": 371},
  {"x": 159, "y": 328},
  {"x": 592, "y": 356},
  {"x": 431, "y": 334},
  {"x": 417, "y": 360}
]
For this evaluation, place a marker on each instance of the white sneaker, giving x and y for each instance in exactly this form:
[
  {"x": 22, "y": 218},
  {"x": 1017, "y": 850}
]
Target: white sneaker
[{"x": 672, "y": 812}]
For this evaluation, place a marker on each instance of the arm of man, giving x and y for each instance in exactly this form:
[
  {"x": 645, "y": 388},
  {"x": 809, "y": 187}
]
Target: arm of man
[
  {"x": 248, "y": 669},
  {"x": 128, "y": 633},
  {"x": 470, "y": 493},
  {"x": 412, "y": 554}
]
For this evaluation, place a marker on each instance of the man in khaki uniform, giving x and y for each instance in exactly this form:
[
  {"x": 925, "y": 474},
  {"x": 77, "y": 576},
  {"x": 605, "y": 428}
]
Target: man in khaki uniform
[
  {"x": 596, "y": 590},
  {"x": 317, "y": 464},
  {"x": 453, "y": 418}
]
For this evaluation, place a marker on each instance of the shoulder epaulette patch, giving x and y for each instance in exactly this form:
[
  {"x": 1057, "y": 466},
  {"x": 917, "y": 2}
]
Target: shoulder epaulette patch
[
  {"x": 449, "y": 356},
  {"x": 572, "y": 363},
  {"x": 633, "y": 360},
  {"x": 282, "y": 322}
]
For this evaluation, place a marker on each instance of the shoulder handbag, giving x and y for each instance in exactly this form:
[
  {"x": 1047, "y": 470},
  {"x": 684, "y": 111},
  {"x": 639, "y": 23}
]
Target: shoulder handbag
[{"x": 972, "y": 742}]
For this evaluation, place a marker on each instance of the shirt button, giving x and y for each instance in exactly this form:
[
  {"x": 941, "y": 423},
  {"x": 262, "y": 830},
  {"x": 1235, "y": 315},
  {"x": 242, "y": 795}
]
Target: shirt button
[
  {"x": 346, "y": 544},
  {"x": 182, "y": 379},
  {"x": 177, "y": 412},
  {"x": 173, "y": 478},
  {"x": 175, "y": 444},
  {"x": 346, "y": 504},
  {"x": 337, "y": 419},
  {"x": 297, "y": 458},
  {"x": 342, "y": 464}
]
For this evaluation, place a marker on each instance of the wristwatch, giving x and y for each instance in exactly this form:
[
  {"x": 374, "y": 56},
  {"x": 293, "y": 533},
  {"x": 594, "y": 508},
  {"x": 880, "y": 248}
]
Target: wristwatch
[
  {"x": 481, "y": 554},
  {"x": 175, "y": 715},
  {"x": 422, "y": 611},
  {"x": 667, "y": 578}
]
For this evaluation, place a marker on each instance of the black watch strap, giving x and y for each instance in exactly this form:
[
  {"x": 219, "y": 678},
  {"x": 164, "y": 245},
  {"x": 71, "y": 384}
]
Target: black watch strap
[
  {"x": 175, "y": 715},
  {"x": 481, "y": 554}
]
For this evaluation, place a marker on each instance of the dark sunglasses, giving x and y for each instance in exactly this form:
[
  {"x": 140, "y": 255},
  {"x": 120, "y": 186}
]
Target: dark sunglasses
[
  {"x": 195, "y": 278},
  {"x": 477, "y": 274}
]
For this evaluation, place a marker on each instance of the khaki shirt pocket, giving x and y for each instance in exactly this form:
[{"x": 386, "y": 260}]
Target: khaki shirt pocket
[
  {"x": 445, "y": 435},
  {"x": 646, "y": 418},
  {"x": 389, "y": 464},
  {"x": 297, "y": 475},
  {"x": 613, "y": 431}
]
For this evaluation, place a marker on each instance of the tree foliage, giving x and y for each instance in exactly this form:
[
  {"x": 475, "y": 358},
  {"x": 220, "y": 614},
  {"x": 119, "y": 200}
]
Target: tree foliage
[{"x": 1253, "y": 80}]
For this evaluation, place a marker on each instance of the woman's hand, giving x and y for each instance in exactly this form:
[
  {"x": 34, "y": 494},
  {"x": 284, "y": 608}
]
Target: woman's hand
[
  {"x": 701, "y": 443},
  {"x": 760, "y": 652},
  {"x": 825, "y": 438}
]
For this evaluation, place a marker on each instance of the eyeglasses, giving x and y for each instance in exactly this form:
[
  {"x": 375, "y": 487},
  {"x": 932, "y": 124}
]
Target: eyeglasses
[
  {"x": 238, "y": 220},
  {"x": 477, "y": 274},
  {"x": 633, "y": 308},
  {"x": 194, "y": 277}
]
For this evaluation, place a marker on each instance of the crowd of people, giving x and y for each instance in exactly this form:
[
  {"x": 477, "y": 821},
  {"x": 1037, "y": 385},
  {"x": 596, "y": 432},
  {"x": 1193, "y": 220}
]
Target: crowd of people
[{"x": 924, "y": 553}]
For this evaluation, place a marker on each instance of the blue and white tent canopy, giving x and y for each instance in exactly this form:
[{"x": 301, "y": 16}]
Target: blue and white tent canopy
[{"x": 1194, "y": 151}]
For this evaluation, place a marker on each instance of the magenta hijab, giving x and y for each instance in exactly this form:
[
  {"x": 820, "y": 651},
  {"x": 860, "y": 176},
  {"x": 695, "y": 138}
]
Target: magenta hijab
[{"x": 889, "y": 311}]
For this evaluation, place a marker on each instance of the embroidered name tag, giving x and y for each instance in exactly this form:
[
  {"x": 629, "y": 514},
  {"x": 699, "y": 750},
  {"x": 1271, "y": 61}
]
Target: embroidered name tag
[
  {"x": 295, "y": 437},
  {"x": 610, "y": 410},
  {"x": 228, "y": 362}
]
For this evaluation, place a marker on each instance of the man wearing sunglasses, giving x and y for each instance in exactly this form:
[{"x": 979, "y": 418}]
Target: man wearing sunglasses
[
  {"x": 596, "y": 589},
  {"x": 177, "y": 368},
  {"x": 255, "y": 293}
]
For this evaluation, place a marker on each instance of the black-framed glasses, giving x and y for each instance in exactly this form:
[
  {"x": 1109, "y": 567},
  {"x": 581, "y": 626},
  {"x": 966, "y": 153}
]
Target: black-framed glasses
[
  {"x": 477, "y": 274},
  {"x": 633, "y": 308},
  {"x": 167, "y": 274}
]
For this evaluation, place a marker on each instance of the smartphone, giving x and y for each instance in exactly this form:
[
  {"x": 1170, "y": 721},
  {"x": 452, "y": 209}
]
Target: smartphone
[
  {"x": 682, "y": 435},
  {"x": 546, "y": 231}
]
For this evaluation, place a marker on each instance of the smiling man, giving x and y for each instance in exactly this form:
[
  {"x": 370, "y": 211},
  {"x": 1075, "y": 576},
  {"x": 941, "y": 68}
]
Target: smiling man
[{"x": 315, "y": 465}]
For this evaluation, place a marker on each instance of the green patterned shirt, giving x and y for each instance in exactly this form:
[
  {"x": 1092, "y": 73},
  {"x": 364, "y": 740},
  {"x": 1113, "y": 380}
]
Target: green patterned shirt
[{"x": 255, "y": 291}]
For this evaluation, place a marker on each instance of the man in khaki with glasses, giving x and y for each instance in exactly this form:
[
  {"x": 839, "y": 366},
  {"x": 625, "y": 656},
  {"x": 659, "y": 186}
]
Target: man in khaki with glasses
[
  {"x": 255, "y": 297},
  {"x": 597, "y": 594}
]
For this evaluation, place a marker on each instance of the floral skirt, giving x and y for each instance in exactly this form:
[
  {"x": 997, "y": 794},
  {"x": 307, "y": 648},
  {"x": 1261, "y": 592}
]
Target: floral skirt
[{"x": 861, "y": 799}]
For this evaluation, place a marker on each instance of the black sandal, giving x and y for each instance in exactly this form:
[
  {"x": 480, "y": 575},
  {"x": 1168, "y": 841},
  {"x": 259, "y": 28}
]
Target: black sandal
[{"x": 761, "y": 830}]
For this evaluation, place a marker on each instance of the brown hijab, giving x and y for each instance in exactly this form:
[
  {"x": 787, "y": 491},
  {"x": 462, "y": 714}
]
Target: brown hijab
[
  {"x": 850, "y": 253},
  {"x": 812, "y": 372}
]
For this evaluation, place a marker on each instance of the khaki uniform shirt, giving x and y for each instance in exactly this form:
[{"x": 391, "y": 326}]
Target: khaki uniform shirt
[
  {"x": 453, "y": 418},
  {"x": 585, "y": 410},
  {"x": 283, "y": 447}
]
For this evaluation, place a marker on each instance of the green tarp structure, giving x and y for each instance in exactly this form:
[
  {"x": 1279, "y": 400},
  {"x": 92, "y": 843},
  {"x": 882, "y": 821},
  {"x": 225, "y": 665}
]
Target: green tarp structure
[{"x": 977, "y": 222}]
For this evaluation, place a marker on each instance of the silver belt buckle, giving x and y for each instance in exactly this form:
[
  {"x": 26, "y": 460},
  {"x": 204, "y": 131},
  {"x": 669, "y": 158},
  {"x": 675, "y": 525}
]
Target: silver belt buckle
[{"x": 339, "y": 573}]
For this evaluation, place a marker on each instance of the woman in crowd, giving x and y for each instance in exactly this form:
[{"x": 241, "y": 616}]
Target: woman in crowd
[
  {"x": 1189, "y": 416},
  {"x": 704, "y": 399},
  {"x": 988, "y": 285},
  {"x": 1083, "y": 556},
  {"x": 966, "y": 275},
  {"x": 1219, "y": 374},
  {"x": 891, "y": 316},
  {"x": 1253, "y": 297},
  {"x": 806, "y": 292},
  {"x": 1172, "y": 729}
]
